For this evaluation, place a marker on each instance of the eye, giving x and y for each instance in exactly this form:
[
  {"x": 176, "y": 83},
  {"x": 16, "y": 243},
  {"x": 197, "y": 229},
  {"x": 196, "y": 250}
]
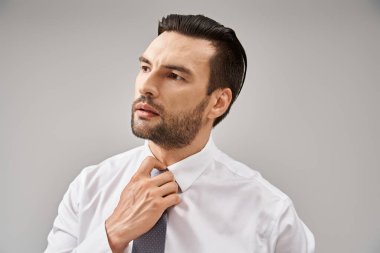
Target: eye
[
  {"x": 174, "y": 76},
  {"x": 144, "y": 68}
]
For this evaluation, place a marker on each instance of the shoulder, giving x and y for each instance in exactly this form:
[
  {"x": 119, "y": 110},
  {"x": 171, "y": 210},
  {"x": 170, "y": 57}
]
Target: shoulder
[
  {"x": 111, "y": 167},
  {"x": 273, "y": 211},
  {"x": 250, "y": 176}
]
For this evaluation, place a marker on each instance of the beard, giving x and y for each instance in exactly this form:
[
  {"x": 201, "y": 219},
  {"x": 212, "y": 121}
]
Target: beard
[{"x": 173, "y": 130}]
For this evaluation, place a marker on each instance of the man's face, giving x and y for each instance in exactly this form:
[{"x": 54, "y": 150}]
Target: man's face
[{"x": 171, "y": 89}]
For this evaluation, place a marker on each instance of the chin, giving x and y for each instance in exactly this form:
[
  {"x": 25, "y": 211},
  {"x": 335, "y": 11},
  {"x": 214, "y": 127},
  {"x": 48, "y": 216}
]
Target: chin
[{"x": 142, "y": 127}]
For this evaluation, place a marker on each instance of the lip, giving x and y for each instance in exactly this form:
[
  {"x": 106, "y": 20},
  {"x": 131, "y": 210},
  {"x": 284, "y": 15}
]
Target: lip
[{"x": 145, "y": 108}]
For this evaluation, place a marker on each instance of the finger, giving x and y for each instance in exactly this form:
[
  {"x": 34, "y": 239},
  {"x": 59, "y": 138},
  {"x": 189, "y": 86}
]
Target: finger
[
  {"x": 148, "y": 164},
  {"x": 167, "y": 189},
  {"x": 163, "y": 178},
  {"x": 171, "y": 200}
]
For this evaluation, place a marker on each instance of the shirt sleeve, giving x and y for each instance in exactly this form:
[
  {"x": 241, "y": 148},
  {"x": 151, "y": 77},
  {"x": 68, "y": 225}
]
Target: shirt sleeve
[
  {"x": 290, "y": 234},
  {"x": 64, "y": 235}
]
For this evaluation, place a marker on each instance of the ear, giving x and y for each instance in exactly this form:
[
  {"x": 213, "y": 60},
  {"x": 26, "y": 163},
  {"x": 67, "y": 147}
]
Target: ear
[{"x": 220, "y": 101}]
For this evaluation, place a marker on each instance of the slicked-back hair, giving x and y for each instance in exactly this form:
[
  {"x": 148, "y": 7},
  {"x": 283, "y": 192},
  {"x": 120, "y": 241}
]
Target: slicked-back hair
[{"x": 228, "y": 66}]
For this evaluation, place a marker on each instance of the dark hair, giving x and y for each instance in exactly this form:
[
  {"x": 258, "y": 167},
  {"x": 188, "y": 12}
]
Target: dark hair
[{"x": 229, "y": 64}]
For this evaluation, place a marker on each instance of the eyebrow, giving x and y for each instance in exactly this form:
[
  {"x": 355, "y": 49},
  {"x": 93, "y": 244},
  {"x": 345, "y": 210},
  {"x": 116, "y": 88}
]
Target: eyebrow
[
  {"x": 143, "y": 59},
  {"x": 179, "y": 68}
]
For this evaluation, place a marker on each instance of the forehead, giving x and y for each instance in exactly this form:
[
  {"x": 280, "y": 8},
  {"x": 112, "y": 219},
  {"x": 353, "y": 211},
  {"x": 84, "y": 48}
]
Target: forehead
[{"x": 175, "y": 48}]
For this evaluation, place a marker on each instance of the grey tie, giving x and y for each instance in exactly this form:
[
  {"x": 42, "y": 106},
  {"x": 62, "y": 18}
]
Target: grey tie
[{"x": 152, "y": 241}]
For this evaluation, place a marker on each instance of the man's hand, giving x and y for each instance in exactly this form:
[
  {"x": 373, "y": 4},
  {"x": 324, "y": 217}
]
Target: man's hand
[{"x": 141, "y": 204}]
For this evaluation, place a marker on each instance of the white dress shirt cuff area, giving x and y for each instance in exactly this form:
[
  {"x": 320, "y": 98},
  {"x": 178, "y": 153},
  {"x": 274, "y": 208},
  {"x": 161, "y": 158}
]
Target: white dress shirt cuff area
[{"x": 96, "y": 242}]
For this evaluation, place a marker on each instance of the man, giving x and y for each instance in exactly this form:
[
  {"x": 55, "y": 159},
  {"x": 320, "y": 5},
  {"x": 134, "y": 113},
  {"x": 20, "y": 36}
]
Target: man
[{"x": 202, "y": 200}]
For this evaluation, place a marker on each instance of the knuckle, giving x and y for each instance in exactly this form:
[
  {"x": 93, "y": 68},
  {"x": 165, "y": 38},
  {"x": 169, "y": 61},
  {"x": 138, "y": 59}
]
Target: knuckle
[
  {"x": 173, "y": 187},
  {"x": 135, "y": 178},
  {"x": 148, "y": 194},
  {"x": 145, "y": 184},
  {"x": 169, "y": 176},
  {"x": 156, "y": 204},
  {"x": 149, "y": 159},
  {"x": 146, "y": 162},
  {"x": 173, "y": 200}
]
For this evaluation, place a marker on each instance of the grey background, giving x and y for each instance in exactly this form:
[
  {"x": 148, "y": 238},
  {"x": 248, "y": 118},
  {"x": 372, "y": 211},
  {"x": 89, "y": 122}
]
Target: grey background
[{"x": 307, "y": 118}]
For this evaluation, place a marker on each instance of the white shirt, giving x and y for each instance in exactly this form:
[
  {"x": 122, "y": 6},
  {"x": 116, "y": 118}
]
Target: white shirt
[{"x": 225, "y": 207}]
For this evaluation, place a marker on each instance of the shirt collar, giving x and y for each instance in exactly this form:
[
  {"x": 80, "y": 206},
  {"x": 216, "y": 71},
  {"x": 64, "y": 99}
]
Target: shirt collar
[{"x": 189, "y": 169}]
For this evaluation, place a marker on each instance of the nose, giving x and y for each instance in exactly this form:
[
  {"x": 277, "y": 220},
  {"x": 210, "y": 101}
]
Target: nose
[{"x": 147, "y": 84}]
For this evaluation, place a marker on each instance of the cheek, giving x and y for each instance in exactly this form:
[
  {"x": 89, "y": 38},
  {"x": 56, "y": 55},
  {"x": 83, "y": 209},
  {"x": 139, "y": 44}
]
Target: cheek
[
  {"x": 137, "y": 94},
  {"x": 184, "y": 102},
  {"x": 137, "y": 82}
]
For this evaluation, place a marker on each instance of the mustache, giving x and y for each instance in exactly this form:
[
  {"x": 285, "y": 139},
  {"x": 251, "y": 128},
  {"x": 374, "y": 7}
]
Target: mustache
[{"x": 149, "y": 101}]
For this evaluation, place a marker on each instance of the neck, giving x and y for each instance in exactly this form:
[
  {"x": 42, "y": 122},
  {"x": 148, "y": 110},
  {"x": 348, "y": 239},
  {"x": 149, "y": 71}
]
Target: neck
[{"x": 171, "y": 156}]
